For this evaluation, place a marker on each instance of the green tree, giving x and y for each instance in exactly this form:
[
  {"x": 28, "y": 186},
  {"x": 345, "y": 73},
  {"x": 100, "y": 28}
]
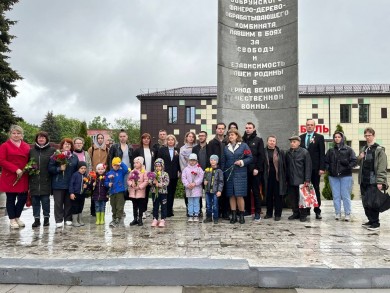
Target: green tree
[
  {"x": 69, "y": 127},
  {"x": 132, "y": 128},
  {"x": 327, "y": 191},
  {"x": 30, "y": 130},
  {"x": 99, "y": 123},
  {"x": 84, "y": 134},
  {"x": 7, "y": 75},
  {"x": 50, "y": 125}
]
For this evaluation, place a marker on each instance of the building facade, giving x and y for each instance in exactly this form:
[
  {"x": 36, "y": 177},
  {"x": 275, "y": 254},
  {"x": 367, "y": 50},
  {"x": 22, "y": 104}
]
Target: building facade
[{"x": 355, "y": 107}]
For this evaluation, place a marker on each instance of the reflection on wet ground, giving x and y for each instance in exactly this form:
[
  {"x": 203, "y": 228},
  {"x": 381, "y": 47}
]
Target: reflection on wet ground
[{"x": 325, "y": 243}]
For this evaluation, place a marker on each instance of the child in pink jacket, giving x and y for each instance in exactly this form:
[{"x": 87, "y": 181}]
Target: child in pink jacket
[
  {"x": 137, "y": 183},
  {"x": 192, "y": 178}
]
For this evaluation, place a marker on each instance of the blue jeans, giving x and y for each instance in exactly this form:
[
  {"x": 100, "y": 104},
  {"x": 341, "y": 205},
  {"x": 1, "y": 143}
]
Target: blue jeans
[
  {"x": 211, "y": 205},
  {"x": 100, "y": 206},
  {"x": 193, "y": 206},
  {"x": 341, "y": 190},
  {"x": 36, "y": 205}
]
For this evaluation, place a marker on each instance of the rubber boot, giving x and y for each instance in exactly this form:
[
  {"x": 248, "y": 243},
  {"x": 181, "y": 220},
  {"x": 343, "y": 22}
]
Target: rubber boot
[
  {"x": 80, "y": 219},
  {"x": 140, "y": 223},
  {"x": 242, "y": 219},
  {"x": 75, "y": 223},
  {"x": 233, "y": 219},
  {"x": 97, "y": 218},
  {"x": 102, "y": 214}
]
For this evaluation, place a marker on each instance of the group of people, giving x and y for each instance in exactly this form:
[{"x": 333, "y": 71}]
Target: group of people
[{"x": 233, "y": 171}]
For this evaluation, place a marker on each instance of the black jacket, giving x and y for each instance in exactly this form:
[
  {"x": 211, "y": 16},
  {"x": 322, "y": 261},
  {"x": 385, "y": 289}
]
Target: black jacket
[
  {"x": 196, "y": 150},
  {"x": 215, "y": 147},
  {"x": 116, "y": 151},
  {"x": 172, "y": 167},
  {"x": 281, "y": 171},
  {"x": 340, "y": 161},
  {"x": 140, "y": 152},
  {"x": 256, "y": 145},
  {"x": 298, "y": 166},
  {"x": 316, "y": 149},
  {"x": 41, "y": 184}
]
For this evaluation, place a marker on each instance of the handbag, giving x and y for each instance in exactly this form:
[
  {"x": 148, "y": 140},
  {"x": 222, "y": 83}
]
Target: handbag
[
  {"x": 307, "y": 196},
  {"x": 376, "y": 199}
]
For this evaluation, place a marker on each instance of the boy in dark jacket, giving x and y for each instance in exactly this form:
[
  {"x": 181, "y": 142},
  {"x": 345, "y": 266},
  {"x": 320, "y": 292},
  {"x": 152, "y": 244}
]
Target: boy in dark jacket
[
  {"x": 76, "y": 190},
  {"x": 213, "y": 182}
]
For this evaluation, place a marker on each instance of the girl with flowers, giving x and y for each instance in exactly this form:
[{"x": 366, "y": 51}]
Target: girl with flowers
[
  {"x": 192, "y": 178},
  {"x": 159, "y": 179},
  {"x": 13, "y": 158},
  {"x": 62, "y": 165},
  {"x": 100, "y": 193},
  {"x": 137, "y": 183},
  {"x": 237, "y": 157}
]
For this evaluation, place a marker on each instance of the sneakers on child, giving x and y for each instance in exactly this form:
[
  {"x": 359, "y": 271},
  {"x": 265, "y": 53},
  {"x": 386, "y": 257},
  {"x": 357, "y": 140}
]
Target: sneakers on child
[
  {"x": 68, "y": 223},
  {"x": 162, "y": 223},
  {"x": 257, "y": 218},
  {"x": 59, "y": 225},
  {"x": 190, "y": 219},
  {"x": 20, "y": 223},
  {"x": 366, "y": 224},
  {"x": 347, "y": 218},
  {"x": 196, "y": 219},
  {"x": 154, "y": 223},
  {"x": 113, "y": 224},
  {"x": 373, "y": 227},
  {"x": 337, "y": 217}
]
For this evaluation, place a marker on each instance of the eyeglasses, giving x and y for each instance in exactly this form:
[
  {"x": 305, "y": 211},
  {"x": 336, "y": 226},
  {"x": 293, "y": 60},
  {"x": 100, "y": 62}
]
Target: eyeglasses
[{"x": 368, "y": 135}]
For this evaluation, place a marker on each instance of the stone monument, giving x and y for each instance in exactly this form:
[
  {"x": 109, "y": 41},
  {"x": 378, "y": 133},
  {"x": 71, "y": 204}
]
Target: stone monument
[{"x": 258, "y": 65}]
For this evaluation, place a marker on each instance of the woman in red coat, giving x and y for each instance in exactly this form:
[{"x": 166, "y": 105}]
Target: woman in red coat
[{"x": 13, "y": 158}]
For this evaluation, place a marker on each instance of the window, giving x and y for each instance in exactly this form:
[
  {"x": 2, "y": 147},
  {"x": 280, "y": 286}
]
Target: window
[
  {"x": 362, "y": 143},
  {"x": 364, "y": 113},
  {"x": 383, "y": 112},
  {"x": 190, "y": 115},
  {"x": 172, "y": 115},
  {"x": 345, "y": 113}
]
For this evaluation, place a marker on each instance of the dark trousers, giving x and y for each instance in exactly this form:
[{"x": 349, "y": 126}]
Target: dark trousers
[
  {"x": 147, "y": 190},
  {"x": 62, "y": 205},
  {"x": 138, "y": 207},
  {"x": 15, "y": 204},
  {"x": 315, "y": 180},
  {"x": 78, "y": 204},
  {"x": 372, "y": 215},
  {"x": 171, "y": 196},
  {"x": 160, "y": 200},
  {"x": 224, "y": 205},
  {"x": 273, "y": 198},
  {"x": 93, "y": 207},
  {"x": 293, "y": 193},
  {"x": 254, "y": 186},
  {"x": 37, "y": 200}
]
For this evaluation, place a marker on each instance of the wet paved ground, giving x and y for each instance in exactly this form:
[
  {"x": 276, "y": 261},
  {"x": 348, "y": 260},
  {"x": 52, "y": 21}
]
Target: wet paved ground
[
  {"x": 177, "y": 289},
  {"x": 325, "y": 244}
]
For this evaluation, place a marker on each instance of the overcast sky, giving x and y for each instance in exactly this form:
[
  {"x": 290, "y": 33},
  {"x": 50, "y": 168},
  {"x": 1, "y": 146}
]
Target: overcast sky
[{"x": 91, "y": 58}]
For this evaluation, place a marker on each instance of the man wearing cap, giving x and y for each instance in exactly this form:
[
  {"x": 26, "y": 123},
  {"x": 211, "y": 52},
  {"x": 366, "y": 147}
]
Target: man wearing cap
[
  {"x": 315, "y": 144},
  {"x": 298, "y": 169}
]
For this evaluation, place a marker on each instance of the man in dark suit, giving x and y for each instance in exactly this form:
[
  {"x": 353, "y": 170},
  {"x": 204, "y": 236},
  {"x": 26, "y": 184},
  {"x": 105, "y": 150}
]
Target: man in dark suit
[{"x": 315, "y": 144}]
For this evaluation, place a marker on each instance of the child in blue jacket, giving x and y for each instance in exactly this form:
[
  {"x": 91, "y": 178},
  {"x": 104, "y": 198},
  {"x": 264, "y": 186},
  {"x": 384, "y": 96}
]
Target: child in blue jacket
[{"x": 115, "y": 180}]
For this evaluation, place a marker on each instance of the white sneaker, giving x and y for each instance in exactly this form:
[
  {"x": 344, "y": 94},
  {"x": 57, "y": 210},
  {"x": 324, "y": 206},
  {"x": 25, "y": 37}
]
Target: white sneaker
[
  {"x": 196, "y": 219},
  {"x": 68, "y": 223},
  {"x": 347, "y": 218},
  {"x": 20, "y": 223},
  {"x": 337, "y": 217},
  {"x": 59, "y": 225},
  {"x": 13, "y": 224},
  {"x": 190, "y": 219}
]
